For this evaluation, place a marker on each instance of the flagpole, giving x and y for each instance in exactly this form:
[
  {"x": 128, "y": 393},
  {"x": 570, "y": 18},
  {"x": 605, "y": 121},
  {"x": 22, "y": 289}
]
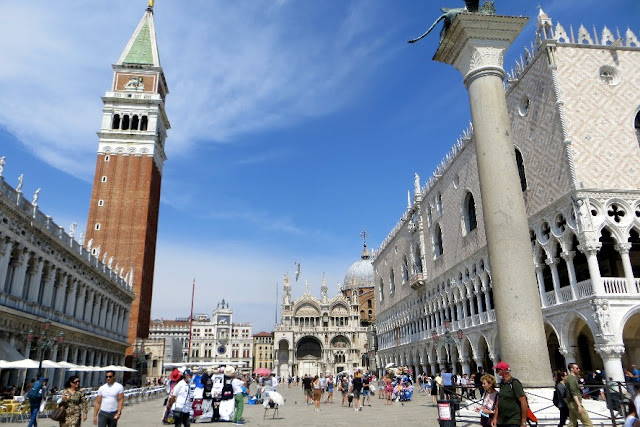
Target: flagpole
[
  {"x": 193, "y": 294},
  {"x": 276, "y": 304}
]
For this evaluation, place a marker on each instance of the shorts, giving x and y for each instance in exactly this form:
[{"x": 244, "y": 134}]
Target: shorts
[
  {"x": 308, "y": 392},
  {"x": 356, "y": 393},
  {"x": 316, "y": 394},
  {"x": 365, "y": 393}
]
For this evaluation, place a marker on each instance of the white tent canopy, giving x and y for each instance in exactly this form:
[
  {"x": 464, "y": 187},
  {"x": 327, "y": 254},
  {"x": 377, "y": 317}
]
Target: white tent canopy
[{"x": 49, "y": 364}]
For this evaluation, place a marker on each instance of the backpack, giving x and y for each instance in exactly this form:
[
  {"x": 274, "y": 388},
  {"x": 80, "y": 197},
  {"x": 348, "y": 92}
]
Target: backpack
[
  {"x": 531, "y": 417},
  {"x": 558, "y": 398},
  {"x": 227, "y": 391},
  {"x": 36, "y": 391}
]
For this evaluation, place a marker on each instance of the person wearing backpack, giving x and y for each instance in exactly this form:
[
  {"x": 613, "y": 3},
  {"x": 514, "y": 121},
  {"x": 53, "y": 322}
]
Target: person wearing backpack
[
  {"x": 35, "y": 396},
  {"x": 574, "y": 398},
  {"x": 512, "y": 407},
  {"x": 559, "y": 396}
]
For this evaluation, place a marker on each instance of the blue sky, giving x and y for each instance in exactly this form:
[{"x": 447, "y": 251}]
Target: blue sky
[{"x": 295, "y": 125}]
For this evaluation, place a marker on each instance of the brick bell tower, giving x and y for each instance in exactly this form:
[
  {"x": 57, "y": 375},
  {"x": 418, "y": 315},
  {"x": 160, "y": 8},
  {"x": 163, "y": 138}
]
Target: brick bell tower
[{"x": 125, "y": 200}]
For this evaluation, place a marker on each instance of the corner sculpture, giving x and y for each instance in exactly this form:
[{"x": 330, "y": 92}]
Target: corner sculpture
[{"x": 472, "y": 6}]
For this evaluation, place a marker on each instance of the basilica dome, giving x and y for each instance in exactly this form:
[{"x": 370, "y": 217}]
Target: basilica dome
[{"x": 360, "y": 274}]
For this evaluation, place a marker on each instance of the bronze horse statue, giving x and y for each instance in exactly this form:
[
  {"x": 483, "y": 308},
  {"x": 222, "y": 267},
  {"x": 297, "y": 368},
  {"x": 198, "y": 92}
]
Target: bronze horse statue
[{"x": 472, "y": 6}]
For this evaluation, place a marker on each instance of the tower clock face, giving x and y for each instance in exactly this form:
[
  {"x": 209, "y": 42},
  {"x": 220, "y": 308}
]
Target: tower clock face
[{"x": 222, "y": 349}]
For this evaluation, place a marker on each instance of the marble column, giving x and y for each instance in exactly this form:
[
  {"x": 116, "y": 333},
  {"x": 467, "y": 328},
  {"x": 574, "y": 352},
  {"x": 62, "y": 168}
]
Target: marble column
[
  {"x": 623, "y": 249},
  {"x": 34, "y": 288},
  {"x": 591, "y": 251},
  {"x": 466, "y": 366},
  {"x": 17, "y": 281},
  {"x": 612, "y": 358},
  {"x": 475, "y": 45},
  {"x": 49, "y": 283},
  {"x": 568, "y": 258},
  {"x": 555, "y": 278},
  {"x": 6, "y": 247},
  {"x": 540, "y": 280}
]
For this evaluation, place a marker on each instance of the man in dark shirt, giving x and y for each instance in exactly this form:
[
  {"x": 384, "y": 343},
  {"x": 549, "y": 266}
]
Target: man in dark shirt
[
  {"x": 511, "y": 409},
  {"x": 356, "y": 385},
  {"x": 306, "y": 386}
]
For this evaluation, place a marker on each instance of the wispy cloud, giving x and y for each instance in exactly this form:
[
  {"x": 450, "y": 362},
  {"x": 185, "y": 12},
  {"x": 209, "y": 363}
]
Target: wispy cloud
[
  {"x": 243, "y": 274},
  {"x": 231, "y": 69},
  {"x": 262, "y": 158}
]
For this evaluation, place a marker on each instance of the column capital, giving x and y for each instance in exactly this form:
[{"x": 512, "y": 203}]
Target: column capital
[
  {"x": 475, "y": 44},
  {"x": 623, "y": 248},
  {"x": 608, "y": 351},
  {"x": 590, "y": 248},
  {"x": 568, "y": 255}
]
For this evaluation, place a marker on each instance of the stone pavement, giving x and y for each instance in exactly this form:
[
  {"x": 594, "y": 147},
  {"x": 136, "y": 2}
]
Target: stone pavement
[{"x": 417, "y": 412}]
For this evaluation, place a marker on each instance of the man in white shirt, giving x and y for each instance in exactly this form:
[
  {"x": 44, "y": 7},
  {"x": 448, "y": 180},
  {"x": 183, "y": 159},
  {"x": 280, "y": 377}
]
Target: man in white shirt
[
  {"x": 237, "y": 385},
  {"x": 109, "y": 401},
  {"x": 180, "y": 400}
]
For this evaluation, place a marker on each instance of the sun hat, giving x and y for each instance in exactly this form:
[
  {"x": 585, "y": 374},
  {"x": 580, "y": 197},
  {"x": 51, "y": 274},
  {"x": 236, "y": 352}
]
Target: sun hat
[
  {"x": 229, "y": 371},
  {"x": 175, "y": 375}
]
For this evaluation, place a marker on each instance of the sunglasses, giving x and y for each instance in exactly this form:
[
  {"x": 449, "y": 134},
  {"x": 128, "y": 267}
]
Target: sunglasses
[
  {"x": 108, "y": 376},
  {"x": 75, "y": 382}
]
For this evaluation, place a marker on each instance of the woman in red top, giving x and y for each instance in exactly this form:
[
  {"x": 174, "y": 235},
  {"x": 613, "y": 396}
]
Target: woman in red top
[{"x": 388, "y": 389}]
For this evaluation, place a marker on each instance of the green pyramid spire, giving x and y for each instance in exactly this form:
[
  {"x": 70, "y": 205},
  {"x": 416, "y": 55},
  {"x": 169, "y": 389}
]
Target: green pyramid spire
[
  {"x": 140, "y": 52},
  {"x": 142, "y": 48}
]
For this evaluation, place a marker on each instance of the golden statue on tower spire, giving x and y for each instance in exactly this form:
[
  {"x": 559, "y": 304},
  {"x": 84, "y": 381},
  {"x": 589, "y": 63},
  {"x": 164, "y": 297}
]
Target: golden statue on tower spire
[{"x": 151, "y": 2}]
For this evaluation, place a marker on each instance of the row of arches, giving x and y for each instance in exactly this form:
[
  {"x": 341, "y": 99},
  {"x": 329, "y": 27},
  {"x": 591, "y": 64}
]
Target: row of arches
[
  {"x": 129, "y": 122},
  {"x": 571, "y": 337}
]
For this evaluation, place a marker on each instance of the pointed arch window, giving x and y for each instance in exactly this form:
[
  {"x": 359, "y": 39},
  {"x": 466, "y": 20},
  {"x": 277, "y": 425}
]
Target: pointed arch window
[
  {"x": 405, "y": 269},
  {"x": 521, "y": 171},
  {"x": 437, "y": 241},
  {"x": 115, "y": 122},
  {"x": 144, "y": 122},
  {"x": 381, "y": 289},
  {"x": 392, "y": 281},
  {"x": 470, "y": 219},
  {"x": 418, "y": 260}
]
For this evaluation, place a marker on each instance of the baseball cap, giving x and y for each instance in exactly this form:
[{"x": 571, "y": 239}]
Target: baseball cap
[{"x": 503, "y": 366}]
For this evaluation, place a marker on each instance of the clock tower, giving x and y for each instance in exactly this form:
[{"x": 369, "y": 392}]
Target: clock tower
[{"x": 123, "y": 215}]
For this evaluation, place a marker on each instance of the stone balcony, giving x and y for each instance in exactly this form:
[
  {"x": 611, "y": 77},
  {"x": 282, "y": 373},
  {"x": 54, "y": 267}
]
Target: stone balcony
[{"x": 417, "y": 281}]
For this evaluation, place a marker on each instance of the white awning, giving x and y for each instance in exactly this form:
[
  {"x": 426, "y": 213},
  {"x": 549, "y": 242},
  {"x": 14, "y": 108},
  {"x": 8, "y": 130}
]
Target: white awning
[{"x": 8, "y": 353}]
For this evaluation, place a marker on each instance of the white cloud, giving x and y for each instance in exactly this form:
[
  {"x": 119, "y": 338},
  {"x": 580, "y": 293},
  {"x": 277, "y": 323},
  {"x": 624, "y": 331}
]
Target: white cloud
[{"x": 232, "y": 69}]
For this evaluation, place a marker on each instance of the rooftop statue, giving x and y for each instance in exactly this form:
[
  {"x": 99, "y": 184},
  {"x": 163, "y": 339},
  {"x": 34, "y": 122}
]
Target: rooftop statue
[{"x": 472, "y": 6}]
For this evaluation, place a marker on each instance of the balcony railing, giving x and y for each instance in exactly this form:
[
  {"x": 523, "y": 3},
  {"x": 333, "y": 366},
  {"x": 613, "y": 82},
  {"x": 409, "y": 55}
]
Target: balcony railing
[
  {"x": 584, "y": 288},
  {"x": 615, "y": 285},
  {"x": 565, "y": 294}
]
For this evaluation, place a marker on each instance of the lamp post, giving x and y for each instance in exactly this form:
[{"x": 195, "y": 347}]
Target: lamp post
[
  {"x": 447, "y": 338},
  {"x": 141, "y": 360},
  {"x": 43, "y": 342}
]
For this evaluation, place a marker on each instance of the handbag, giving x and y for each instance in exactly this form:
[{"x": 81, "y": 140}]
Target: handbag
[{"x": 59, "y": 414}]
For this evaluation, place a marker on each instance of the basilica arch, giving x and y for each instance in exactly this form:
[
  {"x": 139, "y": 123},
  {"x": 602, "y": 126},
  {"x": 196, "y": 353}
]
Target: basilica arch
[{"x": 309, "y": 354}]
